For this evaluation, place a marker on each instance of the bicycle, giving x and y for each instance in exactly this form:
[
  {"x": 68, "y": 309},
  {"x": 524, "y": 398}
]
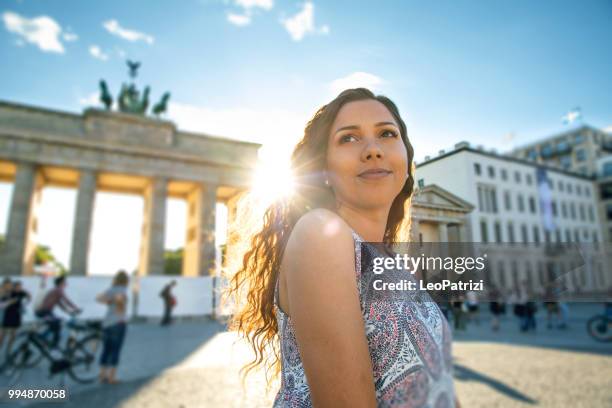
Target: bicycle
[
  {"x": 78, "y": 358},
  {"x": 600, "y": 328}
]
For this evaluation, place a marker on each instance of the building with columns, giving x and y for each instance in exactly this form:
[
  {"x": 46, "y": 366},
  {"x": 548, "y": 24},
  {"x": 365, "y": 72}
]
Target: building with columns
[
  {"x": 122, "y": 153},
  {"x": 439, "y": 216}
]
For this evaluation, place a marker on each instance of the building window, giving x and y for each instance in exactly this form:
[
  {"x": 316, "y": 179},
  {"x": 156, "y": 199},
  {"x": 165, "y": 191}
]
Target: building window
[
  {"x": 609, "y": 212},
  {"x": 498, "y": 233},
  {"x": 547, "y": 236},
  {"x": 517, "y": 176},
  {"x": 576, "y": 236},
  {"x": 532, "y": 205},
  {"x": 595, "y": 237},
  {"x": 568, "y": 236},
  {"x": 551, "y": 184},
  {"x": 483, "y": 232},
  {"x": 572, "y": 211},
  {"x": 554, "y": 208},
  {"x": 578, "y": 189},
  {"x": 501, "y": 274},
  {"x": 507, "y": 201},
  {"x": 546, "y": 151},
  {"x": 421, "y": 183},
  {"x": 580, "y": 155},
  {"x": 563, "y": 209},
  {"x": 487, "y": 198},
  {"x": 536, "y": 234},
  {"x": 524, "y": 234},
  {"x": 504, "y": 174},
  {"x": 582, "y": 213},
  {"x": 558, "y": 235},
  {"x": 529, "y": 272},
  {"x": 587, "y": 191},
  {"x": 579, "y": 138},
  {"x": 569, "y": 188},
  {"x": 510, "y": 232},
  {"x": 541, "y": 273},
  {"x": 606, "y": 191},
  {"x": 607, "y": 169},
  {"x": 491, "y": 171},
  {"x": 477, "y": 169},
  {"x": 532, "y": 154},
  {"x": 560, "y": 185},
  {"x": 521, "y": 203},
  {"x": 528, "y": 179}
]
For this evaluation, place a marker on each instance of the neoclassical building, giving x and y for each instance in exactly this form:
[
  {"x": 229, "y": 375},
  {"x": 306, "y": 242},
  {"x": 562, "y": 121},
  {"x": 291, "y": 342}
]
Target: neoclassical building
[{"x": 116, "y": 152}]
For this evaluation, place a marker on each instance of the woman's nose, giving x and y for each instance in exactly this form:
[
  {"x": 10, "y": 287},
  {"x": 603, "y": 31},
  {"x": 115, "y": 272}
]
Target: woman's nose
[{"x": 372, "y": 150}]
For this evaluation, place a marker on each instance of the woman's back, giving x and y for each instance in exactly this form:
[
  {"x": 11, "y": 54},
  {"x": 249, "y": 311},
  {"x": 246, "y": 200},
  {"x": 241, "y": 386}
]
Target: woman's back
[{"x": 409, "y": 344}]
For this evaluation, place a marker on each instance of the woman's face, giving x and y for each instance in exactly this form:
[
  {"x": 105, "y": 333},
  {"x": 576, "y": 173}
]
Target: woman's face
[{"x": 367, "y": 162}]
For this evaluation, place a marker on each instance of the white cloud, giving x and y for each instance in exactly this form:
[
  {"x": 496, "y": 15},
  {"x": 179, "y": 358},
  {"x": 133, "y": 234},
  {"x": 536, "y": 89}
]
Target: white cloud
[
  {"x": 42, "y": 31},
  {"x": 239, "y": 19},
  {"x": 608, "y": 129},
  {"x": 93, "y": 99},
  {"x": 303, "y": 23},
  {"x": 249, "y": 4},
  {"x": 97, "y": 53},
  {"x": 113, "y": 27},
  {"x": 357, "y": 80},
  {"x": 69, "y": 37}
]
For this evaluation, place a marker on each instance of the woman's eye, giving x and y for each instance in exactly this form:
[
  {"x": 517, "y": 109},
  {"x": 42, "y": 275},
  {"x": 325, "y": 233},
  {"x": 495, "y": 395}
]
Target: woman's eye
[
  {"x": 389, "y": 132},
  {"x": 346, "y": 138}
]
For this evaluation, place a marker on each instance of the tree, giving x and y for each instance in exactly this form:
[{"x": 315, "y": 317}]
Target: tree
[
  {"x": 43, "y": 255},
  {"x": 173, "y": 262}
]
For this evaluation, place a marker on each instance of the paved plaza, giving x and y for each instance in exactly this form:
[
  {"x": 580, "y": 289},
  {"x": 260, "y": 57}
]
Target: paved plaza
[{"x": 196, "y": 364}]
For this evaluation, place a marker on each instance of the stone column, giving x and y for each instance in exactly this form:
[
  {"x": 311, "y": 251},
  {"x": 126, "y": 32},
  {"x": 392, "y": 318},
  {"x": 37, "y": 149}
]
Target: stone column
[
  {"x": 20, "y": 245},
  {"x": 462, "y": 233},
  {"x": 83, "y": 221},
  {"x": 153, "y": 228},
  {"x": 199, "y": 254},
  {"x": 443, "y": 232}
]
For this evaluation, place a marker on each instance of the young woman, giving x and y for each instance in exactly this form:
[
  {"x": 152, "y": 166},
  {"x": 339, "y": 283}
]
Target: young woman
[
  {"x": 115, "y": 325},
  {"x": 299, "y": 278}
]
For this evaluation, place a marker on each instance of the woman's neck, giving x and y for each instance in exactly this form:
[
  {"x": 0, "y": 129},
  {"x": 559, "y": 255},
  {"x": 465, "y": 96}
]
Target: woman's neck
[{"x": 369, "y": 224}]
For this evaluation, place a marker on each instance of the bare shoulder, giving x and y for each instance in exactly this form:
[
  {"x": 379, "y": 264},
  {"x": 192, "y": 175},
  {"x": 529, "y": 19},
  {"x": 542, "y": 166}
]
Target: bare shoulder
[{"x": 323, "y": 232}]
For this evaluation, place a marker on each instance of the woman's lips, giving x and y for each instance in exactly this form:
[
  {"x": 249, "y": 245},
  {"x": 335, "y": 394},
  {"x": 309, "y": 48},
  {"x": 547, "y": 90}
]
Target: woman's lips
[{"x": 375, "y": 174}]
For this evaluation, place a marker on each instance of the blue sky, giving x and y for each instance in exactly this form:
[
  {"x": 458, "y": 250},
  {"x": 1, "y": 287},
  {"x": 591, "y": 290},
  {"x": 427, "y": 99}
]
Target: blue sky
[{"x": 257, "y": 69}]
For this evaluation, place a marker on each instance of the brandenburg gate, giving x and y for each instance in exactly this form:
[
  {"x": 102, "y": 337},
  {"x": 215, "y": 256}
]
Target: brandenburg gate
[{"x": 123, "y": 153}]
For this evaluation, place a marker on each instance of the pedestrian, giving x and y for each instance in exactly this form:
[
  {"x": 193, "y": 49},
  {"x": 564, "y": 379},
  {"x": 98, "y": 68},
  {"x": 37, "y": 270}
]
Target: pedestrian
[
  {"x": 169, "y": 302},
  {"x": 471, "y": 301},
  {"x": 11, "y": 321},
  {"x": 114, "y": 326},
  {"x": 495, "y": 298},
  {"x": 459, "y": 311},
  {"x": 5, "y": 301},
  {"x": 300, "y": 280},
  {"x": 551, "y": 303}
]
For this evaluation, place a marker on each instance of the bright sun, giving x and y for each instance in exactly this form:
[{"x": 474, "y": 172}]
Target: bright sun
[{"x": 271, "y": 182}]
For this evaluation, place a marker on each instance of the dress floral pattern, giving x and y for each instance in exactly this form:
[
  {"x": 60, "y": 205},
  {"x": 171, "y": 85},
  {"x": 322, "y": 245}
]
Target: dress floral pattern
[{"x": 409, "y": 342}]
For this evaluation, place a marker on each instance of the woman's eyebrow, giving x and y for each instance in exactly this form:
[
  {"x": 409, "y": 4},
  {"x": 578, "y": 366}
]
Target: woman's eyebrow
[{"x": 353, "y": 127}]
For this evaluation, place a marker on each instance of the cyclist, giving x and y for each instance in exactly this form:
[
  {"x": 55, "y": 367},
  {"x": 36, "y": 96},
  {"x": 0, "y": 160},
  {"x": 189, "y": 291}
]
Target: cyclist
[{"x": 55, "y": 297}]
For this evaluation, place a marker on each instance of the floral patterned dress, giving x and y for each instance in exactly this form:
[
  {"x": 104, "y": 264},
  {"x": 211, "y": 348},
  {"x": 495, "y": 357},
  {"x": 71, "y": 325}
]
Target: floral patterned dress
[{"x": 409, "y": 343}]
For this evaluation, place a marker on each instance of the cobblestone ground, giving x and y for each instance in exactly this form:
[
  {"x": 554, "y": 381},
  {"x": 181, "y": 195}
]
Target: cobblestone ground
[{"x": 196, "y": 364}]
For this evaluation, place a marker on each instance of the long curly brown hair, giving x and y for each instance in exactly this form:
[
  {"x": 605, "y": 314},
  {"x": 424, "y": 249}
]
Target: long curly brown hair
[{"x": 254, "y": 256}]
